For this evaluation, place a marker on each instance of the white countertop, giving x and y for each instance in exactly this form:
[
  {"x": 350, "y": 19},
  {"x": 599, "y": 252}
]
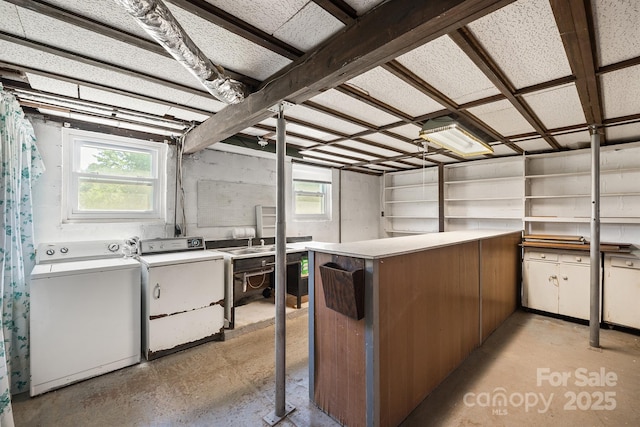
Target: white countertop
[{"x": 382, "y": 248}]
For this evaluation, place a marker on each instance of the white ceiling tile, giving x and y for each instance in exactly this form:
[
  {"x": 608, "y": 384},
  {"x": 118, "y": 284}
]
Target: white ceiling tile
[
  {"x": 267, "y": 16},
  {"x": 247, "y": 58},
  {"x": 353, "y": 108},
  {"x": 383, "y": 152},
  {"x": 307, "y": 131},
  {"x": 443, "y": 65},
  {"x": 10, "y": 20},
  {"x": 107, "y": 12},
  {"x": 55, "y": 64},
  {"x": 392, "y": 142},
  {"x": 623, "y": 133},
  {"x": 379, "y": 167},
  {"x": 97, "y": 95},
  {"x": 298, "y": 33},
  {"x": 441, "y": 158},
  {"x": 502, "y": 150},
  {"x": 322, "y": 162},
  {"x": 299, "y": 141},
  {"x": 78, "y": 40},
  {"x": 301, "y": 112},
  {"x": 186, "y": 115},
  {"x": 557, "y": 107},
  {"x": 617, "y": 30},
  {"x": 503, "y": 117},
  {"x": 346, "y": 152},
  {"x": 385, "y": 87},
  {"x": 328, "y": 157},
  {"x": 363, "y": 6},
  {"x": 621, "y": 92},
  {"x": 47, "y": 84},
  {"x": 408, "y": 131},
  {"x": 534, "y": 145},
  {"x": 524, "y": 41},
  {"x": 206, "y": 102},
  {"x": 254, "y": 131},
  {"x": 574, "y": 140},
  {"x": 398, "y": 165}
]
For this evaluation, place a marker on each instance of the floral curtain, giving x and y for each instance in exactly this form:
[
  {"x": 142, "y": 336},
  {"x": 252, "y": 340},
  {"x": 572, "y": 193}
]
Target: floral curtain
[{"x": 21, "y": 166}]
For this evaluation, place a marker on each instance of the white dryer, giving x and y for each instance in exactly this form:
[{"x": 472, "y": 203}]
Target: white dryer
[{"x": 85, "y": 313}]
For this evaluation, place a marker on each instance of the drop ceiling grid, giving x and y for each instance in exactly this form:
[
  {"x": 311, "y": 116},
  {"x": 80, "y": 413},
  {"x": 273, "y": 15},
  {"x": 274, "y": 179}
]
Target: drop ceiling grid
[
  {"x": 383, "y": 152},
  {"x": 10, "y": 20},
  {"x": 503, "y": 117},
  {"x": 298, "y": 141},
  {"x": 397, "y": 165},
  {"x": 306, "y": 114},
  {"x": 557, "y": 107},
  {"x": 384, "y": 86},
  {"x": 379, "y": 167},
  {"x": 621, "y": 92},
  {"x": 617, "y": 30},
  {"x": 534, "y": 145},
  {"x": 229, "y": 50},
  {"x": 115, "y": 99},
  {"x": 49, "y": 85},
  {"x": 298, "y": 33},
  {"x": 346, "y": 152},
  {"x": 441, "y": 158},
  {"x": 322, "y": 162},
  {"x": 502, "y": 150},
  {"x": 354, "y": 108},
  {"x": 107, "y": 12},
  {"x": 623, "y": 133},
  {"x": 443, "y": 65},
  {"x": 524, "y": 41},
  {"x": 408, "y": 130},
  {"x": 51, "y": 63},
  {"x": 88, "y": 43},
  {"x": 392, "y": 142},
  {"x": 574, "y": 140}
]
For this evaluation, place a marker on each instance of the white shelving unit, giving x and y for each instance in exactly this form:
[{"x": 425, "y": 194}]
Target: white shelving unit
[
  {"x": 411, "y": 202},
  {"x": 558, "y": 192},
  {"x": 484, "y": 194},
  {"x": 266, "y": 221}
]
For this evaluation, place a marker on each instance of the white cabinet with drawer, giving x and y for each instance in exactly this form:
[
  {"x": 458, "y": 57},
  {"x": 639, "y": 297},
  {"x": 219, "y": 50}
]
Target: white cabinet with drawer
[
  {"x": 557, "y": 282},
  {"x": 621, "y": 290}
]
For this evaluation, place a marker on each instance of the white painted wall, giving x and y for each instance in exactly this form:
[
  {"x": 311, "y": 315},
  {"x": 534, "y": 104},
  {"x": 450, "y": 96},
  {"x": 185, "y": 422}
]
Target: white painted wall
[{"x": 361, "y": 193}]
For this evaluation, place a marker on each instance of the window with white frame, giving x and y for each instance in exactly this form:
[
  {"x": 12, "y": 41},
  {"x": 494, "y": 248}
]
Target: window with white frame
[
  {"x": 311, "y": 193},
  {"x": 112, "y": 178}
]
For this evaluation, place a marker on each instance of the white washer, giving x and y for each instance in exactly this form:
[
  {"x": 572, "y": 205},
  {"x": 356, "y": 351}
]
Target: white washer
[{"x": 85, "y": 313}]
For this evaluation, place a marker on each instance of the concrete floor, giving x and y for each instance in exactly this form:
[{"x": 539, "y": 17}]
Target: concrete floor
[{"x": 231, "y": 384}]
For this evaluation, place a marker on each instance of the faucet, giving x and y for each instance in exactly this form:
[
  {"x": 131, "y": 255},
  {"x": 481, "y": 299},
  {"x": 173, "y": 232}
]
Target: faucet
[
  {"x": 250, "y": 242},
  {"x": 261, "y": 242}
]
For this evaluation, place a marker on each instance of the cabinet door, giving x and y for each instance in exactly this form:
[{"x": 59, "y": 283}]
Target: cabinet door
[
  {"x": 621, "y": 294},
  {"x": 182, "y": 287},
  {"x": 540, "y": 286},
  {"x": 575, "y": 293}
]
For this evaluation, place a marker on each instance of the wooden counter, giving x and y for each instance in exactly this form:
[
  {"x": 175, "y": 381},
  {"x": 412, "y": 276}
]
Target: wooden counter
[{"x": 429, "y": 300}]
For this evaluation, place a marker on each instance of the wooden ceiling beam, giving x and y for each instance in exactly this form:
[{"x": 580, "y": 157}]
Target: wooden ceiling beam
[
  {"x": 361, "y": 47},
  {"x": 573, "y": 18},
  {"x": 220, "y": 18},
  {"x": 340, "y": 9},
  {"x": 472, "y": 48}
]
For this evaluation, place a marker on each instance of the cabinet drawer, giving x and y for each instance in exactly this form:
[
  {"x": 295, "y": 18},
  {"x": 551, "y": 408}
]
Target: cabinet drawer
[
  {"x": 625, "y": 262},
  {"x": 575, "y": 258},
  {"x": 541, "y": 256}
]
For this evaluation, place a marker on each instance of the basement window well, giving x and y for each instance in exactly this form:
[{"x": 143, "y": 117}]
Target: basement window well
[
  {"x": 311, "y": 193},
  {"x": 113, "y": 178}
]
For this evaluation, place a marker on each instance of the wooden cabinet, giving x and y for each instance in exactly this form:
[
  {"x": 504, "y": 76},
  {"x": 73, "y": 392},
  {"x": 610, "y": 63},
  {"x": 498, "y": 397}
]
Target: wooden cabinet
[
  {"x": 621, "y": 290},
  {"x": 557, "y": 282}
]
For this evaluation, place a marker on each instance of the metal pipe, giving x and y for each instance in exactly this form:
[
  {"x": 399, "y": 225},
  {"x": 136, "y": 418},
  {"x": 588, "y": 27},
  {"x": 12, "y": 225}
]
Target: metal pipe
[
  {"x": 594, "y": 319},
  {"x": 281, "y": 264},
  {"x": 158, "y": 21}
]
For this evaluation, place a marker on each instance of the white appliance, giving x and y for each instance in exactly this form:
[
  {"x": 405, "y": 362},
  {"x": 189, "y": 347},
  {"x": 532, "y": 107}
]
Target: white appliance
[
  {"x": 85, "y": 312},
  {"x": 183, "y": 295}
]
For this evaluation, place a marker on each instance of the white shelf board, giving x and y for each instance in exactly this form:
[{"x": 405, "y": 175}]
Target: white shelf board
[
  {"x": 519, "y": 218},
  {"x": 411, "y": 201},
  {"x": 556, "y": 219},
  {"x": 397, "y": 187},
  {"x": 502, "y": 178},
  {"x": 566, "y": 174},
  {"x": 408, "y": 231},
  {"x": 411, "y": 217},
  {"x": 569, "y": 196},
  {"x": 480, "y": 199}
]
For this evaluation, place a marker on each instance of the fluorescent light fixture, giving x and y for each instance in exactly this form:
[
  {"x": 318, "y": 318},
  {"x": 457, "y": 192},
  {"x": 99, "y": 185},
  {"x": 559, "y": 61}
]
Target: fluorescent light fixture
[{"x": 448, "y": 134}]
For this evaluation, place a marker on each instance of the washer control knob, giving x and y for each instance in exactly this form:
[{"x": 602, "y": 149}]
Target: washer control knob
[
  {"x": 64, "y": 250},
  {"x": 113, "y": 247},
  {"x": 195, "y": 242},
  {"x": 50, "y": 251}
]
